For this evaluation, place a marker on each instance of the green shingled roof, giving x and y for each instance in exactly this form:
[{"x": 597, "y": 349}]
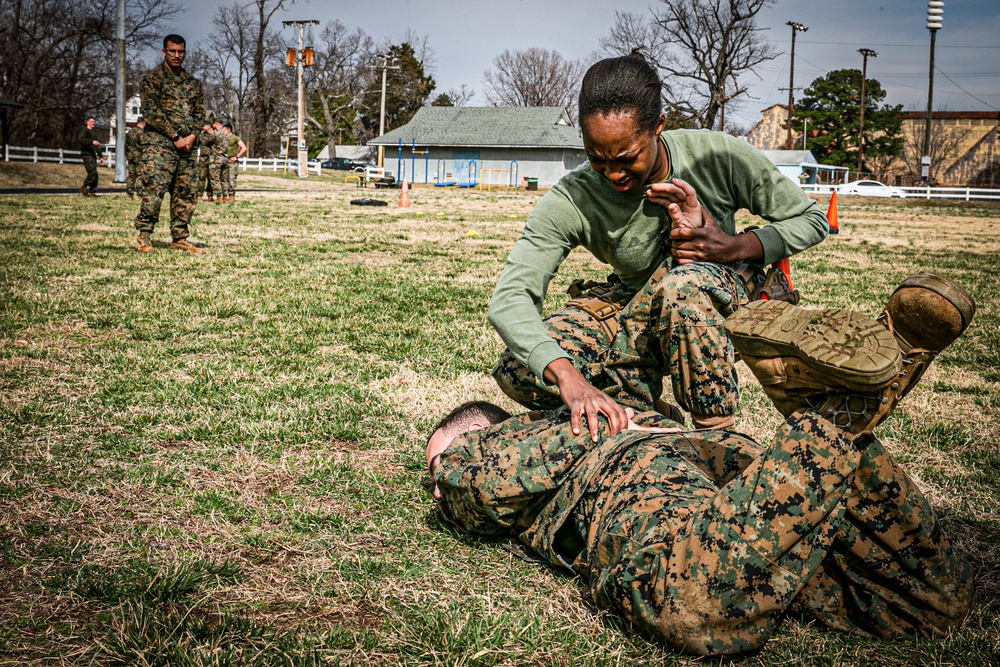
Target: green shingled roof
[{"x": 529, "y": 127}]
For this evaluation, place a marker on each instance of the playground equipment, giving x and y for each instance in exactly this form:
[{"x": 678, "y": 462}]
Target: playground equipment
[
  {"x": 473, "y": 176},
  {"x": 488, "y": 178},
  {"x": 506, "y": 178},
  {"x": 440, "y": 179},
  {"x": 401, "y": 165}
]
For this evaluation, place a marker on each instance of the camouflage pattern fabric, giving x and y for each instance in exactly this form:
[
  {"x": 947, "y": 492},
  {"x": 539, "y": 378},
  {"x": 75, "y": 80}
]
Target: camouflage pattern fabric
[
  {"x": 168, "y": 170},
  {"x": 704, "y": 539},
  {"x": 133, "y": 152},
  {"x": 204, "y": 183},
  {"x": 672, "y": 328},
  {"x": 218, "y": 163},
  {"x": 170, "y": 103}
]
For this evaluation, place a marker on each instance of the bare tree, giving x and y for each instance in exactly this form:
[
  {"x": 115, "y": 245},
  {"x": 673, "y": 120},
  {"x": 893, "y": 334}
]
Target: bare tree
[
  {"x": 701, "y": 48},
  {"x": 226, "y": 65},
  {"x": 533, "y": 78},
  {"x": 58, "y": 59},
  {"x": 266, "y": 50},
  {"x": 460, "y": 96},
  {"x": 338, "y": 81}
]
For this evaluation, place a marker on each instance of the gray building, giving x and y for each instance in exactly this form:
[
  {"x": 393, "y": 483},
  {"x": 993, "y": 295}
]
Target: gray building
[{"x": 464, "y": 146}]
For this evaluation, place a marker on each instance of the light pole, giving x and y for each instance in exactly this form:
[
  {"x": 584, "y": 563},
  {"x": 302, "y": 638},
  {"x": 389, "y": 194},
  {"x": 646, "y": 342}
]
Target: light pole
[
  {"x": 385, "y": 67},
  {"x": 796, "y": 27},
  {"x": 866, "y": 54},
  {"x": 935, "y": 17},
  {"x": 300, "y": 59}
]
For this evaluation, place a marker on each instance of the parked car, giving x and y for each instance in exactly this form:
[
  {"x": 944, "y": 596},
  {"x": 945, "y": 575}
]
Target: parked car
[
  {"x": 870, "y": 189},
  {"x": 343, "y": 164}
]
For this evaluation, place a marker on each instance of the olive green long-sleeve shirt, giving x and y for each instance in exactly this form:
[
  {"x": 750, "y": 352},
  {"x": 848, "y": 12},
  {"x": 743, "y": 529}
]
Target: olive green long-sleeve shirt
[{"x": 626, "y": 230}]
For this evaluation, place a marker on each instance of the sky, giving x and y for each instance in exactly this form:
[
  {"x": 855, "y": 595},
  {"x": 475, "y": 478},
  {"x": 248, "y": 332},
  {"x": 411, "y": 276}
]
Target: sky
[{"x": 467, "y": 35}]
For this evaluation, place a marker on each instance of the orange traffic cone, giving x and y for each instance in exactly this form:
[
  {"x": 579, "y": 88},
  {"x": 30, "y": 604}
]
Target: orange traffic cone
[
  {"x": 404, "y": 195},
  {"x": 786, "y": 267},
  {"x": 831, "y": 214}
]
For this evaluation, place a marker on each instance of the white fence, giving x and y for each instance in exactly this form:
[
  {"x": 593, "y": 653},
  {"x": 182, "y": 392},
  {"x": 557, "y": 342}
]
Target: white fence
[
  {"x": 62, "y": 156},
  {"x": 925, "y": 192}
]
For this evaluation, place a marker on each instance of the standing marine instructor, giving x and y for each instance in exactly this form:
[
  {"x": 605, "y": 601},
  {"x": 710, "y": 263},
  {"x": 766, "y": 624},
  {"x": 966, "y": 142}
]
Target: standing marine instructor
[
  {"x": 174, "y": 111},
  {"x": 659, "y": 207}
]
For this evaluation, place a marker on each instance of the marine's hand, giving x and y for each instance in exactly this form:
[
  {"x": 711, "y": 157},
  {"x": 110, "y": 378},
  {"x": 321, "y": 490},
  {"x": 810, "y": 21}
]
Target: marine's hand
[
  {"x": 711, "y": 244},
  {"x": 704, "y": 244},
  {"x": 185, "y": 143},
  {"x": 584, "y": 399},
  {"x": 680, "y": 200}
]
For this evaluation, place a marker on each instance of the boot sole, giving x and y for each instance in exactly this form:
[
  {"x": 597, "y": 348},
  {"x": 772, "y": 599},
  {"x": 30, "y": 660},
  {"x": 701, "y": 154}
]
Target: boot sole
[
  {"x": 947, "y": 289},
  {"x": 844, "y": 345}
]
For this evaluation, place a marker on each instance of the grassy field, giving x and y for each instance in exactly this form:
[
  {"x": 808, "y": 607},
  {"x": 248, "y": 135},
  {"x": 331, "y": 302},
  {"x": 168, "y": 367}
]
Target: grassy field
[{"x": 217, "y": 459}]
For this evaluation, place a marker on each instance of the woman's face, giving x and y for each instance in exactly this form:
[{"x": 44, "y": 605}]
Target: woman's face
[{"x": 628, "y": 157}]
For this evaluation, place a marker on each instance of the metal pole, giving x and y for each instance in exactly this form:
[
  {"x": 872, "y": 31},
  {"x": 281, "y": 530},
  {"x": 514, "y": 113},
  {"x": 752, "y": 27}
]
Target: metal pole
[
  {"x": 381, "y": 115},
  {"x": 120, "y": 96},
  {"x": 865, "y": 53},
  {"x": 935, "y": 19},
  {"x": 925, "y": 170},
  {"x": 303, "y": 152}
]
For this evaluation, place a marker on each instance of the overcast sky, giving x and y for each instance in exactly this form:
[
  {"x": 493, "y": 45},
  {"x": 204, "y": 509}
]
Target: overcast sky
[{"x": 467, "y": 35}]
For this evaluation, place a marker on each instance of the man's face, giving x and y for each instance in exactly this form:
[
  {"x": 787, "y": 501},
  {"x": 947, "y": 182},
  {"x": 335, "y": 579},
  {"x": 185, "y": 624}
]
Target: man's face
[
  {"x": 173, "y": 55},
  {"x": 91, "y": 123}
]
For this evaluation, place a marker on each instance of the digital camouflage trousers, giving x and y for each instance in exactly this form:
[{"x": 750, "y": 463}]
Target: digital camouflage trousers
[
  {"x": 706, "y": 540},
  {"x": 671, "y": 331},
  {"x": 218, "y": 174},
  {"x": 167, "y": 170}
]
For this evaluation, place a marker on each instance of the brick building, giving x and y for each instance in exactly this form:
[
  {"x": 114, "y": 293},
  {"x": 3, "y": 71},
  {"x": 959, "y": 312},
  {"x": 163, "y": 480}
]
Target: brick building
[{"x": 965, "y": 148}]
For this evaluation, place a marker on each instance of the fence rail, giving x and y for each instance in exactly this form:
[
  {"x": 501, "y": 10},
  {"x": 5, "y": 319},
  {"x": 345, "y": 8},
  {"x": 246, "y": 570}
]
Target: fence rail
[
  {"x": 63, "y": 156},
  {"x": 924, "y": 192}
]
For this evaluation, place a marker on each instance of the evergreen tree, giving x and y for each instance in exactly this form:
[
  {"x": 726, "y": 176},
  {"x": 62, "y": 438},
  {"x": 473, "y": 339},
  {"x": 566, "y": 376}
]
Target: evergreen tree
[
  {"x": 407, "y": 88},
  {"x": 830, "y": 110}
]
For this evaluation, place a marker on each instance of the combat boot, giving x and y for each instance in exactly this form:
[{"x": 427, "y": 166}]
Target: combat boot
[
  {"x": 143, "y": 244},
  {"x": 183, "y": 244},
  {"x": 843, "y": 365}
]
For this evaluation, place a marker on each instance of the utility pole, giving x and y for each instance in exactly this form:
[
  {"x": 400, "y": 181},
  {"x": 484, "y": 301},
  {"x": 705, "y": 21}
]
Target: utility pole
[
  {"x": 385, "y": 66},
  {"x": 120, "y": 95},
  {"x": 796, "y": 27},
  {"x": 301, "y": 58},
  {"x": 935, "y": 19},
  {"x": 866, "y": 54}
]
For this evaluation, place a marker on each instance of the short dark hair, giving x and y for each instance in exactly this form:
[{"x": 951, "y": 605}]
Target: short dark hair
[
  {"x": 467, "y": 414},
  {"x": 228, "y": 126},
  {"x": 174, "y": 39},
  {"x": 623, "y": 85}
]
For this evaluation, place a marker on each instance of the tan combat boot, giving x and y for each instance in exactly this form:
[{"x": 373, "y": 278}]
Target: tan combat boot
[
  {"x": 849, "y": 368},
  {"x": 183, "y": 244},
  {"x": 143, "y": 244}
]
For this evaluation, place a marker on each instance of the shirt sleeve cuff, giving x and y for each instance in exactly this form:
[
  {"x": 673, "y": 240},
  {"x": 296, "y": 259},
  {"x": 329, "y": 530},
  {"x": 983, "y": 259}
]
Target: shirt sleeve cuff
[
  {"x": 773, "y": 244},
  {"x": 543, "y": 355}
]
